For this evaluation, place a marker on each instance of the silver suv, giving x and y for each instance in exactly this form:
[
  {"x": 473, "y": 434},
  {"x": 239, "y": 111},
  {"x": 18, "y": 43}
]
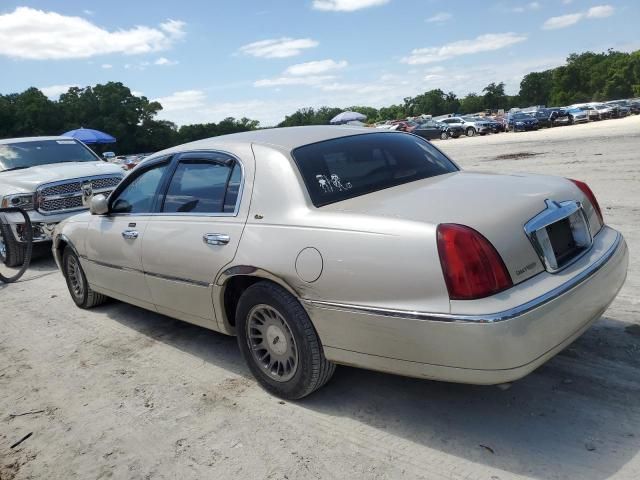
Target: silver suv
[
  {"x": 471, "y": 125},
  {"x": 51, "y": 178}
]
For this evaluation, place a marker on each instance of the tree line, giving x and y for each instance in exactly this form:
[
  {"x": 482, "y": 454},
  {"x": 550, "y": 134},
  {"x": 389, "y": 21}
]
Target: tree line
[{"x": 113, "y": 108}]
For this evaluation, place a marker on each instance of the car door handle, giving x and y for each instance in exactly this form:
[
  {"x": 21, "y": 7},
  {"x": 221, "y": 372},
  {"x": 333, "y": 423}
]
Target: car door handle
[
  {"x": 215, "y": 238},
  {"x": 130, "y": 234}
]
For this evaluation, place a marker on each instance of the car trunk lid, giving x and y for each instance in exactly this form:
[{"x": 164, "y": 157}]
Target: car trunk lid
[{"x": 497, "y": 206}]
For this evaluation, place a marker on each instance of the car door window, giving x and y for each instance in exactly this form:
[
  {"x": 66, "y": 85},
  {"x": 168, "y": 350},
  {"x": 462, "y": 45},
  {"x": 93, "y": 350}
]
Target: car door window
[
  {"x": 139, "y": 195},
  {"x": 200, "y": 186},
  {"x": 233, "y": 189}
]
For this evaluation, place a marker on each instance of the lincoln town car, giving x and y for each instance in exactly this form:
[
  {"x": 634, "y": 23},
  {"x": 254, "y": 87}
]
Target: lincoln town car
[{"x": 327, "y": 245}]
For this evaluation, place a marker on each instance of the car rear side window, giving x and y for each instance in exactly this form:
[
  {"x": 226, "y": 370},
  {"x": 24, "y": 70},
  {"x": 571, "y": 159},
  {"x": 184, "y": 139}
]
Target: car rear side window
[
  {"x": 199, "y": 186},
  {"x": 348, "y": 167}
]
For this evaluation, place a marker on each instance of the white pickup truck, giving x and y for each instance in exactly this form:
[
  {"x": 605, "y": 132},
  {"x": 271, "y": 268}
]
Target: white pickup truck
[{"x": 51, "y": 178}]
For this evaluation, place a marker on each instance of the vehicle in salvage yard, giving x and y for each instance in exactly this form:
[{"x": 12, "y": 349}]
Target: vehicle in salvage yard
[
  {"x": 470, "y": 125},
  {"x": 522, "y": 122},
  {"x": 432, "y": 129},
  {"x": 577, "y": 115},
  {"x": 319, "y": 246},
  {"x": 51, "y": 178}
]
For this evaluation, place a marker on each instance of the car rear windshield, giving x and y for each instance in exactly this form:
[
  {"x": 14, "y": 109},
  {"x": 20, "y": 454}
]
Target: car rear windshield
[
  {"x": 348, "y": 167},
  {"x": 14, "y": 156}
]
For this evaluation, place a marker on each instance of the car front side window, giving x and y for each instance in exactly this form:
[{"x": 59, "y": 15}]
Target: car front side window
[
  {"x": 138, "y": 195},
  {"x": 203, "y": 186}
]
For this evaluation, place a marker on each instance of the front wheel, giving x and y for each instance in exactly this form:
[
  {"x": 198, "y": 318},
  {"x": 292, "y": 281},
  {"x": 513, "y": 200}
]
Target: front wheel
[
  {"x": 279, "y": 343},
  {"x": 12, "y": 252},
  {"x": 470, "y": 132},
  {"x": 79, "y": 288}
]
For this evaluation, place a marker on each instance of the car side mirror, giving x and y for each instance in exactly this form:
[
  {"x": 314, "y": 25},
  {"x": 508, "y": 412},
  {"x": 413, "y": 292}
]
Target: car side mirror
[{"x": 99, "y": 205}]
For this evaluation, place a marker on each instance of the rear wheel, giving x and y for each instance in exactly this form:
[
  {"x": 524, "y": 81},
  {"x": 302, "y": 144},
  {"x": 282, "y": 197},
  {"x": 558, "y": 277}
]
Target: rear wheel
[
  {"x": 470, "y": 132},
  {"x": 279, "y": 343},
  {"x": 79, "y": 288},
  {"x": 12, "y": 252},
  {"x": 444, "y": 135}
]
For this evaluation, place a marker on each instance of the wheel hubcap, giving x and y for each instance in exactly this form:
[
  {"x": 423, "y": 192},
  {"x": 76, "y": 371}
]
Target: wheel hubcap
[
  {"x": 271, "y": 343},
  {"x": 76, "y": 281}
]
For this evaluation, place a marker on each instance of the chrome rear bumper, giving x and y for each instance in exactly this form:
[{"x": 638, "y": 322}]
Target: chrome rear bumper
[{"x": 476, "y": 348}]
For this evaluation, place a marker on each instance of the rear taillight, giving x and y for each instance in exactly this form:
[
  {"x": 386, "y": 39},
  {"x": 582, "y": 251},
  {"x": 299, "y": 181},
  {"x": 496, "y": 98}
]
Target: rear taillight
[
  {"x": 592, "y": 198},
  {"x": 472, "y": 268}
]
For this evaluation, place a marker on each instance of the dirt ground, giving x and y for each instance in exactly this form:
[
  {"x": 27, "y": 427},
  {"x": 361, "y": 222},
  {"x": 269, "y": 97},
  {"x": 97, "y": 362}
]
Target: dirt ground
[{"x": 119, "y": 392}]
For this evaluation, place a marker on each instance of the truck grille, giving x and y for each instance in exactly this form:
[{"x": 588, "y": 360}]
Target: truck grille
[{"x": 74, "y": 194}]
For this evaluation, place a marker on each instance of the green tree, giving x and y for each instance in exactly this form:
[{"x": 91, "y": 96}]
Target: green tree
[
  {"x": 535, "y": 88},
  {"x": 495, "y": 96},
  {"x": 472, "y": 103}
]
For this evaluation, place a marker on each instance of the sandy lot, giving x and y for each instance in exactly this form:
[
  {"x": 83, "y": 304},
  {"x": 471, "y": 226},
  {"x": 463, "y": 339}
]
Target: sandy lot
[{"x": 120, "y": 392}]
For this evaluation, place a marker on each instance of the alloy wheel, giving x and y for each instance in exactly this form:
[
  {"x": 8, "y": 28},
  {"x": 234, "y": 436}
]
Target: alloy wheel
[
  {"x": 76, "y": 279},
  {"x": 271, "y": 343}
]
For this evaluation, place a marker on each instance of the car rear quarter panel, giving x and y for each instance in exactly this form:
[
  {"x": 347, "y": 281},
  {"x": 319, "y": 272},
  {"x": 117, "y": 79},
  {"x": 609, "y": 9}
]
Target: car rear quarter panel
[{"x": 383, "y": 262}]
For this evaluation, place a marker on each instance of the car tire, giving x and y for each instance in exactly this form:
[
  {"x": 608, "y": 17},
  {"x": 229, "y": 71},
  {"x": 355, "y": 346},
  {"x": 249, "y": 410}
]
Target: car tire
[
  {"x": 444, "y": 135},
  {"x": 81, "y": 292},
  {"x": 470, "y": 132},
  {"x": 279, "y": 343},
  {"x": 571, "y": 121},
  {"x": 12, "y": 252}
]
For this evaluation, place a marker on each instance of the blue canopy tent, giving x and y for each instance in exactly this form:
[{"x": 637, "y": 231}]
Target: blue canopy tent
[
  {"x": 346, "y": 117},
  {"x": 90, "y": 136}
]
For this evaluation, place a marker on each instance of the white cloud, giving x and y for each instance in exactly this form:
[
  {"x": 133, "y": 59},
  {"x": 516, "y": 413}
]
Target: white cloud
[
  {"x": 311, "y": 80},
  {"x": 346, "y": 5},
  {"x": 440, "y": 17},
  {"x": 528, "y": 6},
  {"x": 165, "y": 62},
  {"x": 279, "y": 47},
  {"x": 38, "y": 35},
  {"x": 315, "y": 68},
  {"x": 600, "y": 11},
  {"x": 106, "y": 66},
  {"x": 563, "y": 21},
  {"x": 54, "y": 91},
  {"x": 483, "y": 43},
  {"x": 183, "y": 100},
  {"x": 88, "y": 12}
]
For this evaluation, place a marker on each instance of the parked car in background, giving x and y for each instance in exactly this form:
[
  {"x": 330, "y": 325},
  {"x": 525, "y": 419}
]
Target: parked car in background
[
  {"x": 361, "y": 247},
  {"x": 551, "y": 117},
  {"x": 604, "y": 111},
  {"x": 592, "y": 114},
  {"x": 51, "y": 178},
  {"x": 621, "y": 108},
  {"x": 521, "y": 122},
  {"x": 576, "y": 115},
  {"x": 493, "y": 125},
  {"x": 432, "y": 129},
  {"x": 471, "y": 126}
]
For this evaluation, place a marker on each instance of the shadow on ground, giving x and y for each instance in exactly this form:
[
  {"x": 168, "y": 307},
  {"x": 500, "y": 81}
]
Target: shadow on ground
[{"x": 577, "y": 415}]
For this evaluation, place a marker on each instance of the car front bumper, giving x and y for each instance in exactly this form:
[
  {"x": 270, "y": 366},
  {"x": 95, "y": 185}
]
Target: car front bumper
[
  {"x": 43, "y": 225},
  {"x": 484, "y": 348}
]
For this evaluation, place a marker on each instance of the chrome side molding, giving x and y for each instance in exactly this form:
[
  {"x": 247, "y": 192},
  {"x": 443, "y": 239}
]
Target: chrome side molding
[{"x": 484, "y": 318}]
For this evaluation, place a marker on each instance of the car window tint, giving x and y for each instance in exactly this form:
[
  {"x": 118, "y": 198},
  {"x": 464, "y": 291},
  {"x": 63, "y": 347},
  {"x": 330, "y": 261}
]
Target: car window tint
[
  {"x": 233, "y": 189},
  {"x": 138, "y": 196},
  {"x": 347, "y": 167},
  {"x": 197, "y": 187}
]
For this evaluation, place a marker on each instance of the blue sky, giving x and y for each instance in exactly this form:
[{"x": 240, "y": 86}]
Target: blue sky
[{"x": 205, "y": 60}]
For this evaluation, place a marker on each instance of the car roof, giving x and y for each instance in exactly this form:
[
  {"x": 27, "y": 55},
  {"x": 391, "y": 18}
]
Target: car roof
[
  {"x": 4, "y": 141},
  {"x": 286, "y": 139}
]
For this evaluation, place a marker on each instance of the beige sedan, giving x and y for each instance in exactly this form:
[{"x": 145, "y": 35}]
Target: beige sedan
[{"x": 319, "y": 246}]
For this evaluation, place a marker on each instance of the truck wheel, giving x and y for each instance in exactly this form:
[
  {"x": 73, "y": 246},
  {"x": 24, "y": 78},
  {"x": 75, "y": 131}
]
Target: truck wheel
[
  {"x": 11, "y": 251},
  {"x": 279, "y": 343},
  {"x": 79, "y": 288},
  {"x": 470, "y": 132}
]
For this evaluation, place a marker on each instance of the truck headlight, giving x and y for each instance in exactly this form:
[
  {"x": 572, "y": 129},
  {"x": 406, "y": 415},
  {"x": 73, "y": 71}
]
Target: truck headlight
[{"x": 21, "y": 200}]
